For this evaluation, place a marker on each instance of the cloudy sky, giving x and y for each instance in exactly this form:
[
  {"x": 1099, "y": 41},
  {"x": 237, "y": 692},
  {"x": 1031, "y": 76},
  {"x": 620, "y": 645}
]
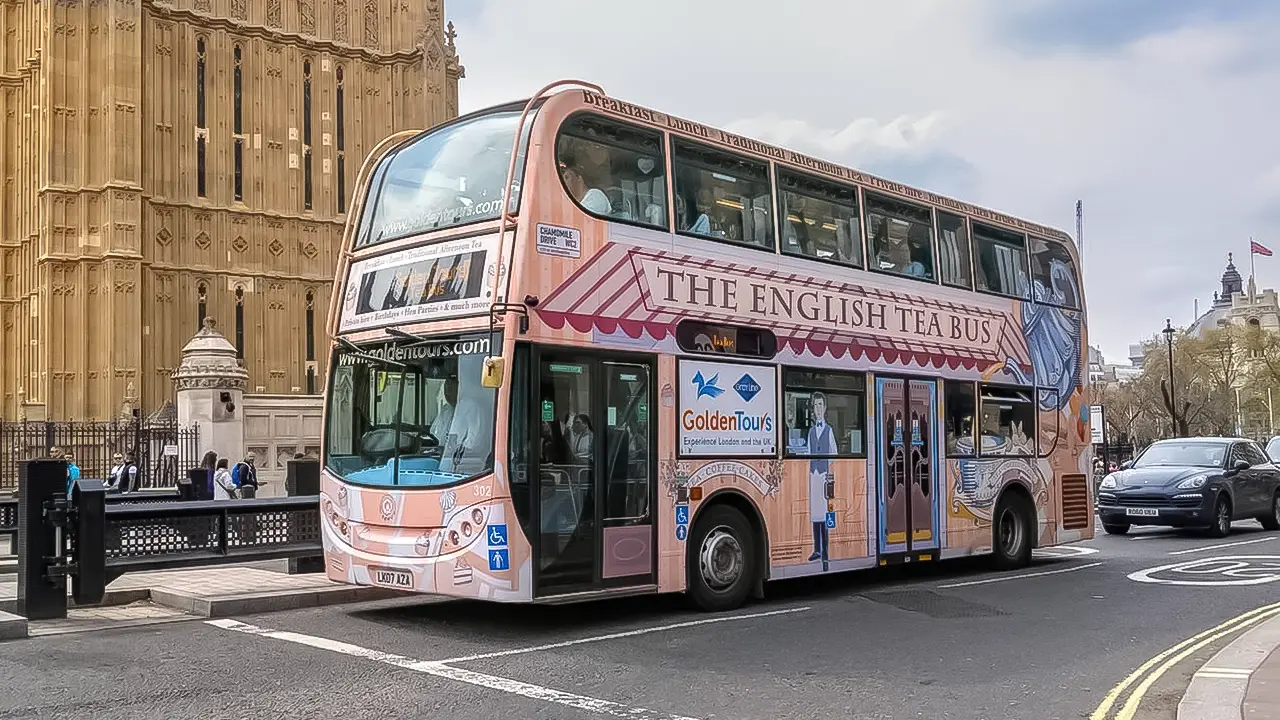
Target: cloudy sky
[{"x": 1163, "y": 116}]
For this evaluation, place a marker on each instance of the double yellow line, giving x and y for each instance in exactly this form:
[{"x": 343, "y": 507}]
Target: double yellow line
[{"x": 1167, "y": 659}]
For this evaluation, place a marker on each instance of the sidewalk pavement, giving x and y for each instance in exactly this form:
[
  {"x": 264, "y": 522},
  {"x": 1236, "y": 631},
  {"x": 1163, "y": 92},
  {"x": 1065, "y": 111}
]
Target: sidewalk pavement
[
  {"x": 148, "y": 597},
  {"x": 1241, "y": 682}
]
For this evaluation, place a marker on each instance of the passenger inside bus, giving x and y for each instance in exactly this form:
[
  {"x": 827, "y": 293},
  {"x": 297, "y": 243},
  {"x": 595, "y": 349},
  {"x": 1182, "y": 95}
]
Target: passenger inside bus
[{"x": 591, "y": 198}]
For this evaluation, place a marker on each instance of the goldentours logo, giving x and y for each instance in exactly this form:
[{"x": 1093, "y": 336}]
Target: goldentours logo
[
  {"x": 410, "y": 353},
  {"x": 746, "y": 387},
  {"x": 707, "y": 388}
]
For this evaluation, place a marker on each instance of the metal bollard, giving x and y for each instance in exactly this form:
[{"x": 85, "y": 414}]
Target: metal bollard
[
  {"x": 302, "y": 477},
  {"x": 42, "y": 503},
  {"x": 89, "y": 580}
]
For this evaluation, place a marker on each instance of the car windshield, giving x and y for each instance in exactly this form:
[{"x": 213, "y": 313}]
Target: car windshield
[
  {"x": 1182, "y": 454},
  {"x": 411, "y": 413}
]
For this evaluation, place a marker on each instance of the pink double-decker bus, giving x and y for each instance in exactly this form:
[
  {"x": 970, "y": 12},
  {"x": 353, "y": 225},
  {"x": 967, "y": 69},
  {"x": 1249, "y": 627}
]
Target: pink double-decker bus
[{"x": 583, "y": 348}]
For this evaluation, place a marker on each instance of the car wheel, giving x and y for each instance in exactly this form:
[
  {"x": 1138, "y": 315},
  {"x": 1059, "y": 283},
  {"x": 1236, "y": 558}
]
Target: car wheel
[
  {"x": 1011, "y": 532},
  {"x": 1221, "y": 518},
  {"x": 1272, "y": 521},
  {"x": 721, "y": 559},
  {"x": 1115, "y": 529}
]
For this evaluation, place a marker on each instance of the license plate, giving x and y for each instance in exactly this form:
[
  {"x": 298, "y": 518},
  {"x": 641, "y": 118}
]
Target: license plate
[
  {"x": 399, "y": 579},
  {"x": 1141, "y": 512}
]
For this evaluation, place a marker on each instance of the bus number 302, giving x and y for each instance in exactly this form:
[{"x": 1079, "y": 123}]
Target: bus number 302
[{"x": 484, "y": 491}]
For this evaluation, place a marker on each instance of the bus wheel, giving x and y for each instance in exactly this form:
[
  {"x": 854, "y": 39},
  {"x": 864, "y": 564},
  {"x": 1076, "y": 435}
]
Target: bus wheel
[
  {"x": 721, "y": 564},
  {"x": 1011, "y": 532}
]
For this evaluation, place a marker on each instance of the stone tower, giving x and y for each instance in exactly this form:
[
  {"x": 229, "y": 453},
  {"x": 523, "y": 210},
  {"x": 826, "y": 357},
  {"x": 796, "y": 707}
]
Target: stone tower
[{"x": 161, "y": 162}]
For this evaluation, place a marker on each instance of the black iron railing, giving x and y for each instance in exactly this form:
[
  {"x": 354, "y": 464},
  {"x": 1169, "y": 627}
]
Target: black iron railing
[
  {"x": 161, "y": 449},
  {"x": 167, "y": 535}
]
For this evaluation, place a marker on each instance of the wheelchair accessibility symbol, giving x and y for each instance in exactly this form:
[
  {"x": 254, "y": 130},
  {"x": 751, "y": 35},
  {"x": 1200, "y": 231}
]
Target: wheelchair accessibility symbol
[{"x": 1237, "y": 570}]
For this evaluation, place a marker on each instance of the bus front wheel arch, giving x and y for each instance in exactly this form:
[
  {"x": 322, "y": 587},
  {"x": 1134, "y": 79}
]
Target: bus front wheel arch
[{"x": 723, "y": 554}]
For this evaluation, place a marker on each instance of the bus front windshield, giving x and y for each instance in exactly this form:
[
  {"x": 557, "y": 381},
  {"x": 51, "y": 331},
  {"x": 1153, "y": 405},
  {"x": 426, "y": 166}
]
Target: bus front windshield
[
  {"x": 450, "y": 176},
  {"x": 410, "y": 413}
]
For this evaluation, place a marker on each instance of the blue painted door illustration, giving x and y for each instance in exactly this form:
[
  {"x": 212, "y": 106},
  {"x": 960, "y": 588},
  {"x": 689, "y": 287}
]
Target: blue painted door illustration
[{"x": 906, "y": 465}]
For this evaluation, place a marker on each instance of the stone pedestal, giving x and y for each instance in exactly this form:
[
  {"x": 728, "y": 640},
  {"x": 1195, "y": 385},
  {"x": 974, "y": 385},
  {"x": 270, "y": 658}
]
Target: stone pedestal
[{"x": 210, "y": 385}]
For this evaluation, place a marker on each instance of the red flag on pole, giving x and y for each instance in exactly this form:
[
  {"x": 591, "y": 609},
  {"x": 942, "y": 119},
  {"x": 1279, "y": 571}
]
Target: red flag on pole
[{"x": 1257, "y": 248}]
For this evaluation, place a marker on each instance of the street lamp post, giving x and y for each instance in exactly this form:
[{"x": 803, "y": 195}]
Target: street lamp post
[{"x": 1173, "y": 399}]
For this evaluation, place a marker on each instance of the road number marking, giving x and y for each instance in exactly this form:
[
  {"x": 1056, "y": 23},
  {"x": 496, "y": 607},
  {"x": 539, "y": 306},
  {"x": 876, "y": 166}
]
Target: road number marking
[{"x": 1231, "y": 570}]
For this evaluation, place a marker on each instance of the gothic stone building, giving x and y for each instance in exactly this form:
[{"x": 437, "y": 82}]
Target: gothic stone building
[{"x": 164, "y": 161}]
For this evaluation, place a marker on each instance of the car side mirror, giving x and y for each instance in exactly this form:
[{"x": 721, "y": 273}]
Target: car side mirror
[
  {"x": 1126, "y": 464},
  {"x": 1239, "y": 466}
]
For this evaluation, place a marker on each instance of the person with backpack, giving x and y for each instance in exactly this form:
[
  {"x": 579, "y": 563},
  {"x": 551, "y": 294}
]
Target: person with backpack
[{"x": 245, "y": 476}]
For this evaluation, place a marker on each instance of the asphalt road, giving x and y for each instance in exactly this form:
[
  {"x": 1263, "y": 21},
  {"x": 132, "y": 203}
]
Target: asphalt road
[{"x": 943, "y": 642}]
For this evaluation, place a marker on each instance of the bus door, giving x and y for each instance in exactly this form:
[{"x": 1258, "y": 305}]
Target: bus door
[
  {"x": 906, "y": 465},
  {"x": 597, "y": 484}
]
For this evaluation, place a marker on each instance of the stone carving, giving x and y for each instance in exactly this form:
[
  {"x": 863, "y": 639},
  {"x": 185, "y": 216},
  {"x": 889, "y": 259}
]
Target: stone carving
[
  {"x": 240, "y": 244},
  {"x": 310, "y": 251},
  {"x": 164, "y": 237},
  {"x": 275, "y": 247},
  {"x": 273, "y": 13},
  {"x": 307, "y": 12},
  {"x": 202, "y": 6},
  {"x": 238, "y": 10},
  {"x": 209, "y": 361},
  {"x": 340, "y": 20},
  {"x": 371, "y": 23},
  {"x": 202, "y": 240}
]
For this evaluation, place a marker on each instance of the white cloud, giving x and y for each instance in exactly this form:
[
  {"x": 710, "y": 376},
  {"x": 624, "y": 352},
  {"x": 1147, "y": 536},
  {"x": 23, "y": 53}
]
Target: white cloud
[{"x": 1170, "y": 140}]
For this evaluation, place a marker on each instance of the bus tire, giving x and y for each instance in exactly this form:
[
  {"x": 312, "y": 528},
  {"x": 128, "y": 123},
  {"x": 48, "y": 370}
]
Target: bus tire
[
  {"x": 1012, "y": 529},
  {"x": 720, "y": 561}
]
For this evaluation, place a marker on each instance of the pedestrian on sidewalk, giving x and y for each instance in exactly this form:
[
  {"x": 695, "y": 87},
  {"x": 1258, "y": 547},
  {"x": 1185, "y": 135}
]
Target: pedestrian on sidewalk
[
  {"x": 73, "y": 472},
  {"x": 124, "y": 474},
  {"x": 209, "y": 465},
  {"x": 224, "y": 487},
  {"x": 245, "y": 476}
]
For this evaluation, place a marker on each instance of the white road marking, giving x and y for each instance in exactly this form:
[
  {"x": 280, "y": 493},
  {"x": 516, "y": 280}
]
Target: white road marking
[
  {"x": 439, "y": 669},
  {"x": 1154, "y": 535},
  {"x": 1207, "y": 548},
  {"x": 1006, "y": 578},
  {"x": 618, "y": 635},
  {"x": 1064, "y": 551},
  {"x": 1239, "y": 569}
]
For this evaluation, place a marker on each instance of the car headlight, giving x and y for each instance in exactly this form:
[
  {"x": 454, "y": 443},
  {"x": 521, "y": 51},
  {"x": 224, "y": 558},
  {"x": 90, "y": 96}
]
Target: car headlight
[
  {"x": 1109, "y": 483},
  {"x": 1193, "y": 483}
]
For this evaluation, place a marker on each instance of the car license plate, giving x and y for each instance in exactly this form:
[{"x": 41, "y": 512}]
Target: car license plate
[
  {"x": 1141, "y": 512},
  {"x": 398, "y": 579}
]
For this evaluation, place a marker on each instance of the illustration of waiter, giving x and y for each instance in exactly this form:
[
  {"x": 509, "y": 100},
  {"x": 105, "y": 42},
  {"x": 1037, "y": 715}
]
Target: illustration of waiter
[{"x": 822, "y": 445}]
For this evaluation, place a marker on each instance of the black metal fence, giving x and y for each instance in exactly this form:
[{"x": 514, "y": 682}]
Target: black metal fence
[
  {"x": 9, "y": 522},
  {"x": 163, "y": 450}
]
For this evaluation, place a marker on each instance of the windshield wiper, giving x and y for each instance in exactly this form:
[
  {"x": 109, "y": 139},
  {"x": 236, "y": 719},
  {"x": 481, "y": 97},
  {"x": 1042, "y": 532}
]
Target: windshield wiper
[
  {"x": 355, "y": 351},
  {"x": 397, "y": 332}
]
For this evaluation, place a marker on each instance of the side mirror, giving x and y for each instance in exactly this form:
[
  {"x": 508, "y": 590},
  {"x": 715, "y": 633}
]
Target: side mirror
[
  {"x": 1126, "y": 464},
  {"x": 1242, "y": 465}
]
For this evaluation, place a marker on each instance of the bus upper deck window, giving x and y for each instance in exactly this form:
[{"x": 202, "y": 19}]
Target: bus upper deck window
[
  {"x": 900, "y": 237},
  {"x": 614, "y": 170},
  {"x": 1000, "y": 262},
  {"x": 722, "y": 196}
]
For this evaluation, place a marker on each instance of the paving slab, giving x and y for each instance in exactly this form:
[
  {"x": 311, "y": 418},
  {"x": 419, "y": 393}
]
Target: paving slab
[
  {"x": 12, "y": 627},
  {"x": 1240, "y": 682},
  {"x": 220, "y": 592}
]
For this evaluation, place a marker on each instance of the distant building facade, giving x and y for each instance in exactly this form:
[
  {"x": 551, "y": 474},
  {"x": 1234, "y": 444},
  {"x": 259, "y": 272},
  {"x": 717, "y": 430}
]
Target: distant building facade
[
  {"x": 163, "y": 162},
  {"x": 1239, "y": 305}
]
